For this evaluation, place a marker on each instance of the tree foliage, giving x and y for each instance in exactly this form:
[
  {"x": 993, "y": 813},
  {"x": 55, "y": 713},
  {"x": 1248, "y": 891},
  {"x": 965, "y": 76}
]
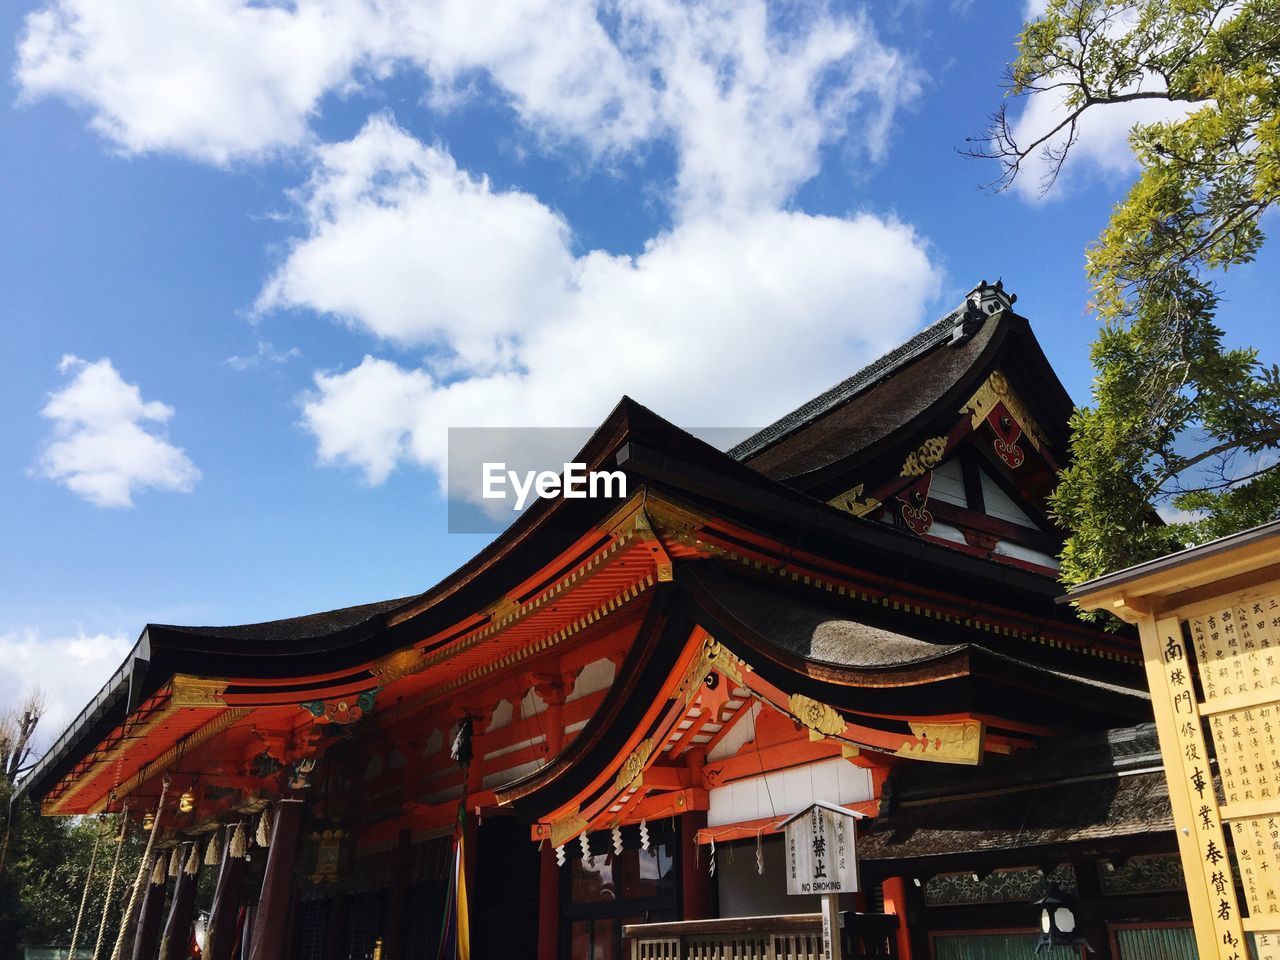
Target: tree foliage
[
  {"x": 46, "y": 859},
  {"x": 1179, "y": 419}
]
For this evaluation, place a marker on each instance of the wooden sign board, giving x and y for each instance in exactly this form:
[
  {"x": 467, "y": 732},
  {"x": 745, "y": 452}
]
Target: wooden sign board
[
  {"x": 820, "y": 851},
  {"x": 1231, "y": 646}
]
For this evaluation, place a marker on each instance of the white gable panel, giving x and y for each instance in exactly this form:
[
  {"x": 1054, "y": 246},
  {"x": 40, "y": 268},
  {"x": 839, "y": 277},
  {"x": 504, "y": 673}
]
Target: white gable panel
[
  {"x": 947, "y": 484},
  {"x": 1000, "y": 504},
  {"x": 784, "y": 792}
]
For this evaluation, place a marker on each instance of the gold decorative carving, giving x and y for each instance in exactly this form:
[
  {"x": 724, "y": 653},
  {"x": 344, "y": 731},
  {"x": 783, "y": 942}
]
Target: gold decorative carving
[
  {"x": 197, "y": 691},
  {"x": 851, "y": 502},
  {"x": 501, "y": 609},
  {"x": 995, "y": 389},
  {"x": 633, "y": 767},
  {"x": 566, "y": 828},
  {"x": 712, "y": 656},
  {"x": 820, "y": 718},
  {"x": 397, "y": 665},
  {"x": 925, "y": 458},
  {"x": 944, "y": 742}
]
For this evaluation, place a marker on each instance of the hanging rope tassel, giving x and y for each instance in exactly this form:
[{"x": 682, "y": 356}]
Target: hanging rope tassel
[
  {"x": 111, "y": 880},
  {"x": 118, "y": 952},
  {"x": 193, "y": 861},
  {"x": 759, "y": 854},
  {"x": 158, "y": 873},
  {"x": 239, "y": 844},
  {"x": 211, "y": 853},
  {"x": 84, "y": 897},
  {"x": 263, "y": 836},
  {"x": 174, "y": 863}
]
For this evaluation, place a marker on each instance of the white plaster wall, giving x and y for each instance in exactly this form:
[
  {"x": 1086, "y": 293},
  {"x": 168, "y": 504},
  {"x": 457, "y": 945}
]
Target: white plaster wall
[{"x": 784, "y": 792}]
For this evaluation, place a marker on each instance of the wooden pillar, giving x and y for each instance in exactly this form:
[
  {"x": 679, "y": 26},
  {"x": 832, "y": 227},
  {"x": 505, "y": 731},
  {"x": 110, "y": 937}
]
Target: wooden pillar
[
  {"x": 695, "y": 883},
  {"x": 146, "y": 941},
  {"x": 1092, "y": 923},
  {"x": 548, "y": 905},
  {"x": 548, "y": 869},
  {"x": 273, "y": 904},
  {"x": 895, "y": 902},
  {"x": 177, "y": 930},
  {"x": 393, "y": 935},
  {"x": 221, "y": 938}
]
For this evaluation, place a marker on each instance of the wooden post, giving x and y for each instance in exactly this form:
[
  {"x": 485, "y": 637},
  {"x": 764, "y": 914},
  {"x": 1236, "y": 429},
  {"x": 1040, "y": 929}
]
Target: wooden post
[
  {"x": 177, "y": 930},
  {"x": 895, "y": 902},
  {"x": 221, "y": 937},
  {"x": 695, "y": 882},
  {"x": 393, "y": 934},
  {"x": 273, "y": 904},
  {"x": 146, "y": 940},
  {"x": 548, "y": 904},
  {"x": 832, "y": 948},
  {"x": 548, "y": 870}
]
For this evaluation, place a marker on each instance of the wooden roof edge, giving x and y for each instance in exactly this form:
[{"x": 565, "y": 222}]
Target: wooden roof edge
[{"x": 1235, "y": 562}]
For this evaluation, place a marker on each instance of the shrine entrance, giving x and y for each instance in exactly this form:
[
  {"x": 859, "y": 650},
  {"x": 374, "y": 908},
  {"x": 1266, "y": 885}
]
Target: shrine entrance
[{"x": 603, "y": 891}]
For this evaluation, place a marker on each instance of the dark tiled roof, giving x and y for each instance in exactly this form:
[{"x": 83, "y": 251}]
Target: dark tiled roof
[
  {"x": 310, "y": 626},
  {"x": 1094, "y": 787},
  {"x": 932, "y": 335},
  {"x": 1044, "y": 816},
  {"x": 818, "y": 633},
  {"x": 873, "y": 406}
]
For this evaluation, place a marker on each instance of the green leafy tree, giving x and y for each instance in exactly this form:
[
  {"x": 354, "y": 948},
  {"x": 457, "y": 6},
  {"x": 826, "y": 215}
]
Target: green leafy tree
[
  {"x": 1178, "y": 418},
  {"x": 45, "y": 860}
]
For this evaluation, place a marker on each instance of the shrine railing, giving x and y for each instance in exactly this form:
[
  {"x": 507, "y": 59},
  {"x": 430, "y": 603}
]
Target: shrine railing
[{"x": 864, "y": 936}]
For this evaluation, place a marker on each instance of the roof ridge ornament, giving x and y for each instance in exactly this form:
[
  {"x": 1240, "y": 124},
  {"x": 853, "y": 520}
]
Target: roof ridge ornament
[{"x": 984, "y": 300}]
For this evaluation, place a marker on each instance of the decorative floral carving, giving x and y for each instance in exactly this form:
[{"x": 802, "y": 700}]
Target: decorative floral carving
[
  {"x": 344, "y": 711},
  {"x": 925, "y": 458},
  {"x": 711, "y": 656},
  {"x": 995, "y": 392},
  {"x": 633, "y": 767},
  {"x": 397, "y": 665},
  {"x": 197, "y": 692},
  {"x": 946, "y": 742},
  {"x": 817, "y": 716},
  {"x": 566, "y": 828},
  {"x": 851, "y": 501}
]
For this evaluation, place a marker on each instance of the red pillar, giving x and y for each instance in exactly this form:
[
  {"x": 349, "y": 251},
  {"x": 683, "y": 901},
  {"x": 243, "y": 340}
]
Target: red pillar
[
  {"x": 549, "y": 871},
  {"x": 548, "y": 905},
  {"x": 273, "y": 905},
  {"x": 393, "y": 936},
  {"x": 221, "y": 938},
  {"x": 146, "y": 940},
  {"x": 895, "y": 902},
  {"x": 177, "y": 931},
  {"x": 695, "y": 883}
]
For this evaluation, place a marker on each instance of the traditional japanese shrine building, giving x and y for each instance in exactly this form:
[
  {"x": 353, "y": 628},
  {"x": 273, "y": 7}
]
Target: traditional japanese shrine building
[{"x": 856, "y": 606}]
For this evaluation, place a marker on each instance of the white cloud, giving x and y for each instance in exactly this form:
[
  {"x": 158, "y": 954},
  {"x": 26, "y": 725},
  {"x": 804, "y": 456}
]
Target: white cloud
[
  {"x": 69, "y": 668},
  {"x": 747, "y": 105},
  {"x": 213, "y": 79},
  {"x": 721, "y": 321},
  {"x": 101, "y": 447}
]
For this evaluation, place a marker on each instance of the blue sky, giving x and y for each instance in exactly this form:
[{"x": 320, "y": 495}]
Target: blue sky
[{"x": 256, "y": 259}]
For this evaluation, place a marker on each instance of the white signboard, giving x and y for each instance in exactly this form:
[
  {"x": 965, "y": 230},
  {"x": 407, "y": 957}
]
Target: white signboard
[{"x": 820, "y": 854}]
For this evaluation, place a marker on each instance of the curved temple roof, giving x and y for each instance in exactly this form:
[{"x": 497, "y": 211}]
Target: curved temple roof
[{"x": 734, "y": 507}]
